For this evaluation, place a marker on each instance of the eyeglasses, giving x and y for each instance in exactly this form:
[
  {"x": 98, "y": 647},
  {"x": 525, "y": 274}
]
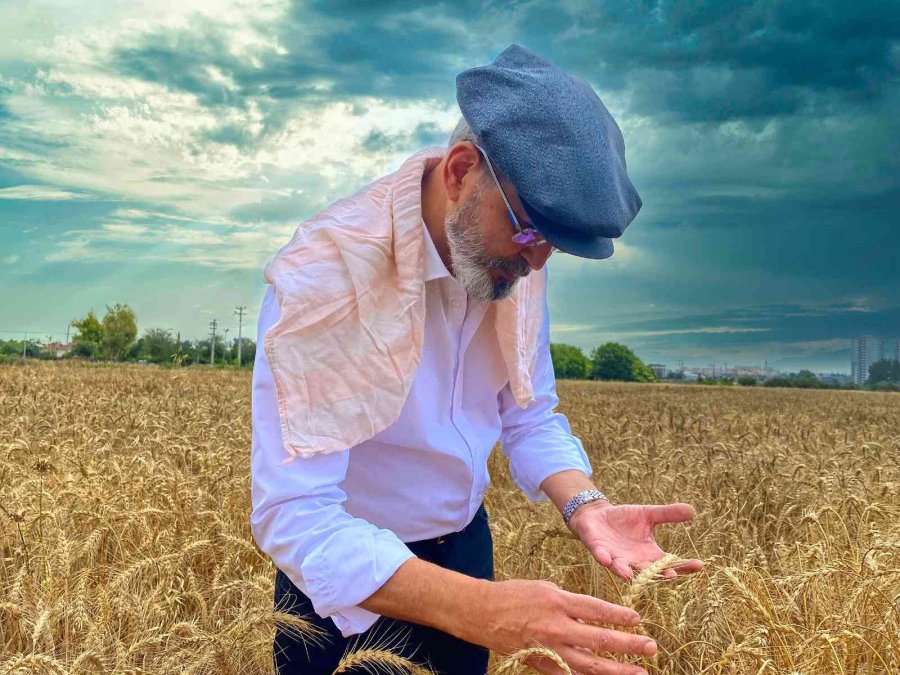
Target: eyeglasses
[{"x": 525, "y": 236}]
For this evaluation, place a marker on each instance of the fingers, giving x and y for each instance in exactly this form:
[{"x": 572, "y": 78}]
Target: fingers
[
  {"x": 589, "y": 608},
  {"x": 670, "y": 513},
  {"x": 683, "y": 567},
  {"x": 582, "y": 661},
  {"x": 603, "y": 557},
  {"x": 598, "y": 639},
  {"x": 688, "y": 566},
  {"x": 623, "y": 568}
]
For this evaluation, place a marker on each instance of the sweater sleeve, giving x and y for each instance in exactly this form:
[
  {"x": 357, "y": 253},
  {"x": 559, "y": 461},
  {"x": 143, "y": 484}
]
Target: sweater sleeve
[
  {"x": 298, "y": 516},
  {"x": 537, "y": 440}
]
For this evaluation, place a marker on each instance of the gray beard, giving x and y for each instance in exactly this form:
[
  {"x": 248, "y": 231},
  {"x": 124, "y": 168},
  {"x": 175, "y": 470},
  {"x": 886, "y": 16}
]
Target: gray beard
[{"x": 471, "y": 266}]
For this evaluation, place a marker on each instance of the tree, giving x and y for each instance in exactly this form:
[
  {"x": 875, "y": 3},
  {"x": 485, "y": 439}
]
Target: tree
[
  {"x": 887, "y": 370},
  {"x": 119, "y": 331},
  {"x": 248, "y": 351},
  {"x": 90, "y": 335},
  {"x": 806, "y": 379},
  {"x": 157, "y": 345},
  {"x": 569, "y": 362},
  {"x": 614, "y": 361},
  {"x": 747, "y": 380}
]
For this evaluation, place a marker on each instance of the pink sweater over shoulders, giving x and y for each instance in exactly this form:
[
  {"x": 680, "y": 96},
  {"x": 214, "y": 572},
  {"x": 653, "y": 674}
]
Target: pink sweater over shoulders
[{"x": 351, "y": 291}]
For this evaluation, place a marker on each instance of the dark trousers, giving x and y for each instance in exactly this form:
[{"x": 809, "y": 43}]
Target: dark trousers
[{"x": 469, "y": 551}]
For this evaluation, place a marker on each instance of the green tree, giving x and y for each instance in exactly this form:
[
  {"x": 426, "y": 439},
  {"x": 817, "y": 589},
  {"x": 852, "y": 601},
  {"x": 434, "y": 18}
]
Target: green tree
[
  {"x": 90, "y": 336},
  {"x": 119, "y": 331},
  {"x": 807, "y": 380},
  {"x": 747, "y": 381},
  {"x": 569, "y": 362},
  {"x": 887, "y": 370},
  {"x": 614, "y": 361},
  {"x": 158, "y": 345}
]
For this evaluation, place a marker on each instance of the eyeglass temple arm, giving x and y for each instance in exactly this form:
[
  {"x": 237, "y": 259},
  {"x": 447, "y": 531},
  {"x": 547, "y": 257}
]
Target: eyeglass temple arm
[{"x": 512, "y": 214}]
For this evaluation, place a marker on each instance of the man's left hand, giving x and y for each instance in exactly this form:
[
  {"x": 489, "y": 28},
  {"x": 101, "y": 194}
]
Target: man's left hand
[{"x": 620, "y": 537}]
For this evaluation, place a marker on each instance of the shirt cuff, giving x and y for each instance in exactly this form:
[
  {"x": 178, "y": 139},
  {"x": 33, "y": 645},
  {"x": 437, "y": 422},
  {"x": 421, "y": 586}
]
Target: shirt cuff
[
  {"x": 532, "y": 463},
  {"x": 366, "y": 561}
]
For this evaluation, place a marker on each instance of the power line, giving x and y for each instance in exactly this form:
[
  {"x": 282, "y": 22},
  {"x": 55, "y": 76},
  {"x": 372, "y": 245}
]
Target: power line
[
  {"x": 212, "y": 343},
  {"x": 20, "y": 332},
  {"x": 239, "y": 310}
]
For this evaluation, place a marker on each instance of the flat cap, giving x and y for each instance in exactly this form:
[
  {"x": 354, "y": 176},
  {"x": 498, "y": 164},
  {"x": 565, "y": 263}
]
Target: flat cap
[{"x": 550, "y": 134}]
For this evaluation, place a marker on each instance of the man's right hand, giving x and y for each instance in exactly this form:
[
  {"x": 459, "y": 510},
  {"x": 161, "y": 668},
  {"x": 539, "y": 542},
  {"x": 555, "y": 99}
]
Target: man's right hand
[{"x": 518, "y": 614}]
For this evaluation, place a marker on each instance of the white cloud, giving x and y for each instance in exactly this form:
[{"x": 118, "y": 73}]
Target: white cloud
[
  {"x": 39, "y": 193},
  {"x": 220, "y": 247},
  {"x": 627, "y": 255},
  {"x": 10, "y": 259},
  {"x": 124, "y": 231}
]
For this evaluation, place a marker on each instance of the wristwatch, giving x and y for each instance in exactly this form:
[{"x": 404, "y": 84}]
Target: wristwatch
[{"x": 582, "y": 497}]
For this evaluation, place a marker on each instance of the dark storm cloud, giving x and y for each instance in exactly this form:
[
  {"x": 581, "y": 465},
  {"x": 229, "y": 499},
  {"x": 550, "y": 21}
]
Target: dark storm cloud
[
  {"x": 722, "y": 60},
  {"x": 180, "y": 60},
  {"x": 782, "y": 322},
  {"x": 763, "y": 138},
  {"x": 424, "y": 134}
]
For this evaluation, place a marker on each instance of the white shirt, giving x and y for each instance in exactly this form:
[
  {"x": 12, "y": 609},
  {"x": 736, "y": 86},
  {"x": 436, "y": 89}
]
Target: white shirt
[{"x": 336, "y": 523}]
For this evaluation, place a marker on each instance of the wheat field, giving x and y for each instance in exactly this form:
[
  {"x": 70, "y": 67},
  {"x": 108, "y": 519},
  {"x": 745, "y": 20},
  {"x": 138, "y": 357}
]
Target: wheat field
[{"x": 125, "y": 545}]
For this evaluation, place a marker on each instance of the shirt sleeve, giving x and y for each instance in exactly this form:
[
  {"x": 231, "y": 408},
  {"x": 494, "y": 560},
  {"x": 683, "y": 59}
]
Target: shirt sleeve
[
  {"x": 537, "y": 440},
  {"x": 298, "y": 516}
]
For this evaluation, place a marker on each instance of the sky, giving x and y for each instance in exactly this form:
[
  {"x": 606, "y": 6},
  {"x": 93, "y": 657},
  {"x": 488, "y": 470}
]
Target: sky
[{"x": 160, "y": 153}]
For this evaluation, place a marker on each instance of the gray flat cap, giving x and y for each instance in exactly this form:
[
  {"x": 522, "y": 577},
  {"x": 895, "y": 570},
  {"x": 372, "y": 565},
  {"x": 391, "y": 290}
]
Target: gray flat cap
[{"x": 553, "y": 138}]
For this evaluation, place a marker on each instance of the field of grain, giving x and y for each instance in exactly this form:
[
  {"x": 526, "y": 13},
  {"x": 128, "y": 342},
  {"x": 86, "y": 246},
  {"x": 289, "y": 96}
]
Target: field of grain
[{"x": 125, "y": 544}]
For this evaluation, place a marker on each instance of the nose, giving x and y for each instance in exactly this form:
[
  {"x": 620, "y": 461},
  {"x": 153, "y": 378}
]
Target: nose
[{"x": 536, "y": 256}]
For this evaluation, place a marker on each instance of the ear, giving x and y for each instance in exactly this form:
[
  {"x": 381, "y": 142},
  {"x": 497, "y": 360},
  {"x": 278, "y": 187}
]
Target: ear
[{"x": 461, "y": 170}]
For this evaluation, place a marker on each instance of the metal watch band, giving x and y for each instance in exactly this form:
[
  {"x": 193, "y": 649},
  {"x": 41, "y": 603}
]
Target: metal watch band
[{"x": 582, "y": 497}]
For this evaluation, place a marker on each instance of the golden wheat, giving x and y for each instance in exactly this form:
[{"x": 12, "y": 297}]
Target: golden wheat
[{"x": 125, "y": 544}]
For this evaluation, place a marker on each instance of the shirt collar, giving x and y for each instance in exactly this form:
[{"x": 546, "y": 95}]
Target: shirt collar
[{"x": 434, "y": 266}]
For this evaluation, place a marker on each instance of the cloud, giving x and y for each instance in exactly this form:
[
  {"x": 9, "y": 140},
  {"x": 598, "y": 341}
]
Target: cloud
[
  {"x": 204, "y": 244},
  {"x": 10, "y": 259},
  {"x": 39, "y": 193},
  {"x": 762, "y": 137},
  {"x": 682, "y": 331}
]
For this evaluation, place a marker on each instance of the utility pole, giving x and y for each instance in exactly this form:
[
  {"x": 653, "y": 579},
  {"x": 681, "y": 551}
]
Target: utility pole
[
  {"x": 212, "y": 343},
  {"x": 239, "y": 310},
  {"x": 24, "y": 342}
]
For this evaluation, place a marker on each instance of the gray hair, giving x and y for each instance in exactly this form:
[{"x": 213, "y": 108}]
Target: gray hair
[{"x": 463, "y": 132}]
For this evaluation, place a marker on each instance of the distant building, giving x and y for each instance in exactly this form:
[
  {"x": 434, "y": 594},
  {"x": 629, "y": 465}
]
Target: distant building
[
  {"x": 59, "y": 348},
  {"x": 867, "y": 349},
  {"x": 756, "y": 371},
  {"x": 658, "y": 369},
  {"x": 897, "y": 350}
]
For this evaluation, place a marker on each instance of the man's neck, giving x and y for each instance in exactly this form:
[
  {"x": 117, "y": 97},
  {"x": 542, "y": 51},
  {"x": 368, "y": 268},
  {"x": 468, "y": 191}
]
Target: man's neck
[{"x": 434, "y": 203}]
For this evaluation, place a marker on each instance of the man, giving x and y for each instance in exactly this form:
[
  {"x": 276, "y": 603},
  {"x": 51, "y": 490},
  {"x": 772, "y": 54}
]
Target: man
[{"x": 390, "y": 536}]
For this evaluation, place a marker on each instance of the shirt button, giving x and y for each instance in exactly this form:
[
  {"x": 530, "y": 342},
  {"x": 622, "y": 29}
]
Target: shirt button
[{"x": 455, "y": 303}]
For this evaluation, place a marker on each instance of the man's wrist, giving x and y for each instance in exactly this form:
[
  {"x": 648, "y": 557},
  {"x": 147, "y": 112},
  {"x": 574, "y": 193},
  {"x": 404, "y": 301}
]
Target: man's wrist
[
  {"x": 560, "y": 487},
  {"x": 581, "y": 499}
]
